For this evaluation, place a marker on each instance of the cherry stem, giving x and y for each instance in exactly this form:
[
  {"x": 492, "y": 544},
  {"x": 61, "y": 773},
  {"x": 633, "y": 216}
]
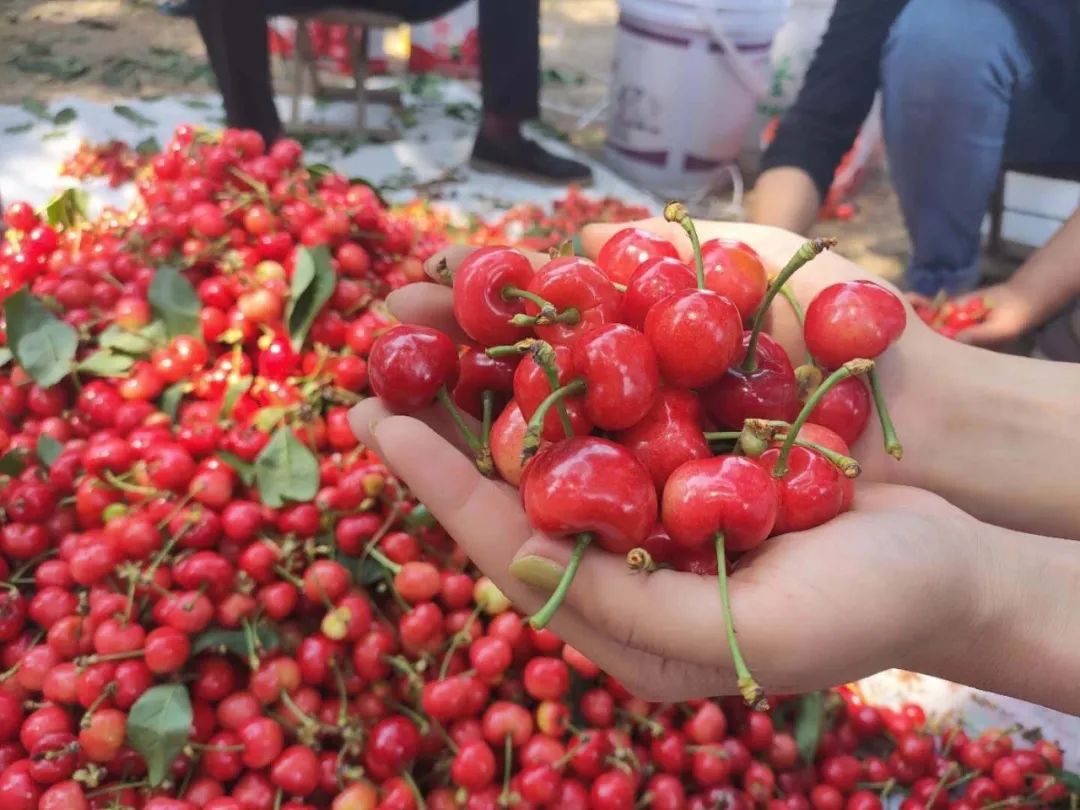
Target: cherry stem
[
  {"x": 540, "y": 619},
  {"x": 544, "y": 356},
  {"x": 676, "y": 212},
  {"x": 531, "y": 442},
  {"x": 481, "y": 455},
  {"x": 508, "y": 767},
  {"x": 751, "y": 691},
  {"x": 779, "y": 432},
  {"x": 510, "y": 350},
  {"x": 800, "y": 316},
  {"x": 639, "y": 559},
  {"x": 384, "y": 561},
  {"x": 804, "y": 254},
  {"x": 892, "y": 443},
  {"x": 548, "y": 314},
  {"x": 850, "y": 369},
  {"x": 414, "y": 789}
]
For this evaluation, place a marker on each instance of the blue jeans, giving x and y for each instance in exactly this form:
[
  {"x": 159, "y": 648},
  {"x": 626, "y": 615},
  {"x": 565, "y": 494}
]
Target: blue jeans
[{"x": 966, "y": 85}]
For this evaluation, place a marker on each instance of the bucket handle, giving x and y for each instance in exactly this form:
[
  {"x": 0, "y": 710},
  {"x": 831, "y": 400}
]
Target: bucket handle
[{"x": 744, "y": 71}]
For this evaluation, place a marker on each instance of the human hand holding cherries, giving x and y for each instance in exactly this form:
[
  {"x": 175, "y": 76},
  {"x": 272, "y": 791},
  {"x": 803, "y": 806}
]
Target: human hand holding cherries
[{"x": 785, "y": 473}]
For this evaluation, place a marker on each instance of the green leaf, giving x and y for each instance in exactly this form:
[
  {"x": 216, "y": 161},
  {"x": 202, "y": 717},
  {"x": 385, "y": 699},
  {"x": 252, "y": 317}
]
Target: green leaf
[
  {"x": 44, "y": 346},
  {"x": 18, "y": 129},
  {"x": 117, "y": 338},
  {"x": 175, "y": 301},
  {"x": 104, "y": 363},
  {"x": 313, "y": 283},
  {"x": 12, "y": 462},
  {"x": 35, "y": 108},
  {"x": 195, "y": 104},
  {"x": 47, "y": 449},
  {"x": 148, "y": 146},
  {"x": 1067, "y": 778},
  {"x": 286, "y": 470},
  {"x": 134, "y": 116},
  {"x": 366, "y": 571},
  {"x": 5, "y": 356},
  {"x": 158, "y": 726},
  {"x": 245, "y": 469},
  {"x": 268, "y": 418},
  {"x": 64, "y": 116},
  {"x": 237, "y": 388},
  {"x": 52, "y": 135},
  {"x": 155, "y": 333},
  {"x": 171, "y": 397},
  {"x": 809, "y": 725},
  {"x": 319, "y": 170},
  {"x": 419, "y": 517},
  {"x": 68, "y": 208},
  {"x": 235, "y": 641}
]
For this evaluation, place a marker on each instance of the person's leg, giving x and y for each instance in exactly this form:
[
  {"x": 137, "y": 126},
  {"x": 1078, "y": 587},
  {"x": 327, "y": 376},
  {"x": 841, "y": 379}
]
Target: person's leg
[
  {"x": 951, "y": 75},
  {"x": 234, "y": 33}
]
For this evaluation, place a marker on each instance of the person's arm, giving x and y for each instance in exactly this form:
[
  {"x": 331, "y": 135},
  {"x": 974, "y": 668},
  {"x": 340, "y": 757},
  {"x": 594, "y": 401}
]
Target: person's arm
[
  {"x": 1043, "y": 286},
  {"x": 821, "y": 125}
]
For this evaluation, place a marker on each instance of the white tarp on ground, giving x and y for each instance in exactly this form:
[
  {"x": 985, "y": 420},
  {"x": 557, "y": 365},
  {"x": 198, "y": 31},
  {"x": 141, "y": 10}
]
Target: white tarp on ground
[{"x": 434, "y": 148}]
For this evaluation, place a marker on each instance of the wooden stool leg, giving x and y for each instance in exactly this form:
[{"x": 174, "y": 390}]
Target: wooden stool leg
[
  {"x": 997, "y": 211},
  {"x": 360, "y": 47}
]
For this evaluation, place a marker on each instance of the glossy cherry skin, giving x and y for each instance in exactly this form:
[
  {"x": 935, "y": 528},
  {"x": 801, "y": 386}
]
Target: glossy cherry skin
[
  {"x": 668, "y": 436},
  {"x": 409, "y": 364},
  {"x": 845, "y": 409},
  {"x": 810, "y": 493},
  {"x": 651, "y": 283},
  {"x": 730, "y": 494},
  {"x": 735, "y": 270},
  {"x": 479, "y": 306},
  {"x": 620, "y": 372},
  {"x": 696, "y": 335},
  {"x": 531, "y": 387},
  {"x": 478, "y": 372},
  {"x": 507, "y": 439},
  {"x": 572, "y": 281},
  {"x": 769, "y": 392},
  {"x": 628, "y": 249},
  {"x": 586, "y": 484},
  {"x": 826, "y": 437},
  {"x": 852, "y": 319}
]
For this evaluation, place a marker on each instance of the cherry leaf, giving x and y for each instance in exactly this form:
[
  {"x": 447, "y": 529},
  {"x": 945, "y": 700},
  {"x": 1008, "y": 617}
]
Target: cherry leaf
[
  {"x": 47, "y": 449},
  {"x": 12, "y": 462},
  {"x": 44, "y": 346},
  {"x": 286, "y": 470},
  {"x": 236, "y": 641},
  {"x": 313, "y": 283},
  {"x": 68, "y": 208},
  {"x": 118, "y": 338},
  {"x": 245, "y": 469},
  {"x": 103, "y": 363},
  {"x": 175, "y": 301},
  {"x": 158, "y": 727}
]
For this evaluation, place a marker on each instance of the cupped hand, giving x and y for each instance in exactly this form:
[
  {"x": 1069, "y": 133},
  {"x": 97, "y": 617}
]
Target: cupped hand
[
  {"x": 875, "y": 588},
  {"x": 1012, "y": 314}
]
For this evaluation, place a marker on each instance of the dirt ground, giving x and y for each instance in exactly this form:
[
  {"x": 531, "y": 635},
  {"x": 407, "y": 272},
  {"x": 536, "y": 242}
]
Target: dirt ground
[{"x": 106, "y": 49}]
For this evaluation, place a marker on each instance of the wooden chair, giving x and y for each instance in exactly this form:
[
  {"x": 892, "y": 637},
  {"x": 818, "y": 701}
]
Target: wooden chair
[{"x": 305, "y": 68}]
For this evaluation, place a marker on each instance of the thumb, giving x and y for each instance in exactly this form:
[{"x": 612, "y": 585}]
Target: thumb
[{"x": 983, "y": 334}]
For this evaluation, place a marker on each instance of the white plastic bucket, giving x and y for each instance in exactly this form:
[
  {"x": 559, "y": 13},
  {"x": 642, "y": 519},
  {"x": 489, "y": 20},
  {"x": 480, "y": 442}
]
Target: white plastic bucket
[{"x": 687, "y": 79}]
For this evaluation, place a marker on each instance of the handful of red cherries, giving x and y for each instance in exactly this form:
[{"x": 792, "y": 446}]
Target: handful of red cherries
[{"x": 639, "y": 406}]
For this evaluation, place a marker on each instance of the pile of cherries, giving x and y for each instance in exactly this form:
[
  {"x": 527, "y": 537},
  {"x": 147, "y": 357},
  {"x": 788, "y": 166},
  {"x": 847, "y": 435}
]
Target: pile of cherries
[
  {"x": 634, "y": 408},
  {"x": 113, "y": 160},
  {"x": 950, "y": 318},
  {"x": 190, "y": 618}
]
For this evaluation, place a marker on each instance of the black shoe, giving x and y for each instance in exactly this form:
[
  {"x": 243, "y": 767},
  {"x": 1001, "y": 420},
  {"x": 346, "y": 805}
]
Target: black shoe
[{"x": 522, "y": 156}]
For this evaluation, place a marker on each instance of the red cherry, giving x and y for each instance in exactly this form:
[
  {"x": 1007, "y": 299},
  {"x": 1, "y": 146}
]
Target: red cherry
[
  {"x": 669, "y": 435},
  {"x": 651, "y": 283},
  {"x": 696, "y": 335},
  {"x": 624, "y": 253},
  {"x": 732, "y": 495},
  {"x": 586, "y": 484},
  {"x": 844, "y": 409},
  {"x": 479, "y": 372},
  {"x": 770, "y": 391},
  {"x": 812, "y": 491},
  {"x": 852, "y": 319},
  {"x": 735, "y": 270},
  {"x": 572, "y": 282},
  {"x": 507, "y": 440},
  {"x": 410, "y": 364},
  {"x": 531, "y": 387},
  {"x": 620, "y": 372},
  {"x": 480, "y": 307}
]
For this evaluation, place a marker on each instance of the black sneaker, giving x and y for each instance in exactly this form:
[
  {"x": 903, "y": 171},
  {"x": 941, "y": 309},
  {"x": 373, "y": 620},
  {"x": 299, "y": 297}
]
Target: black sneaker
[{"x": 528, "y": 158}]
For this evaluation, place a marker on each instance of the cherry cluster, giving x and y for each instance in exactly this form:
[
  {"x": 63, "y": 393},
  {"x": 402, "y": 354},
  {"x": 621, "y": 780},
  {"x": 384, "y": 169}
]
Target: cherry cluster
[
  {"x": 633, "y": 408},
  {"x": 950, "y": 318},
  {"x": 212, "y": 597},
  {"x": 114, "y": 160}
]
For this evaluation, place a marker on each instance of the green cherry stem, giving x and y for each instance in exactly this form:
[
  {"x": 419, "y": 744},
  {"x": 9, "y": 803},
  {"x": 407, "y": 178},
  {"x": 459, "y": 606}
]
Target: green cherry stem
[
  {"x": 850, "y": 369},
  {"x": 544, "y": 356},
  {"x": 477, "y": 446},
  {"x": 800, "y": 316},
  {"x": 484, "y": 462},
  {"x": 751, "y": 691},
  {"x": 804, "y": 254},
  {"x": 892, "y": 443},
  {"x": 512, "y": 349},
  {"x": 676, "y": 212},
  {"x": 548, "y": 314},
  {"x": 845, "y": 464},
  {"x": 540, "y": 619},
  {"x": 531, "y": 441}
]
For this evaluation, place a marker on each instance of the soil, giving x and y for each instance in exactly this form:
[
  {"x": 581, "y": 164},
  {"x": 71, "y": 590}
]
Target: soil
[{"x": 107, "y": 49}]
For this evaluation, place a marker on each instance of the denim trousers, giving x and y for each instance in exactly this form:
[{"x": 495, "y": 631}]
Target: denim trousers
[{"x": 968, "y": 85}]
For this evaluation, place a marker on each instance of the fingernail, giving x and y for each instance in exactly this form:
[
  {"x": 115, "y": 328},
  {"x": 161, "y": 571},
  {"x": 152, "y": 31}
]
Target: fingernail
[
  {"x": 374, "y": 423},
  {"x": 540, "y": 572}
]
